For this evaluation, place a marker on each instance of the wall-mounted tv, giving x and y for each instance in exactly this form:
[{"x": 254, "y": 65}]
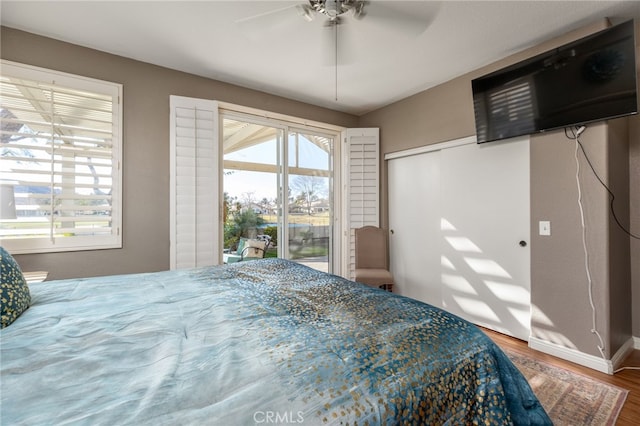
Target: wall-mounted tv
[{"x": 588, "y": 80}]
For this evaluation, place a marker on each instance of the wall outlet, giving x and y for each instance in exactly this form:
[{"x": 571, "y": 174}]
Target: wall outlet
[{"x": 544, "y": 227}]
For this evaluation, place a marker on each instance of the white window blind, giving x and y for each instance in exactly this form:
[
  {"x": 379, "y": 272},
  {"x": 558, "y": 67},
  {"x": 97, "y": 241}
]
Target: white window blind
[
  {"x": 363, "y": 184},
  {"x": 194, "y": 182},
  {"x": 60, "y": 155}
]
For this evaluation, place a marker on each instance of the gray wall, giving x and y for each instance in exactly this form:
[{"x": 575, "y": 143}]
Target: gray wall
[
  {"x": 559, "y": 286},
  {"x": 634, "y": 205},
  {"x": 620, "y": 289},
  {"x": 562, "y": 313},
  {"x": 146, "y": 146}
]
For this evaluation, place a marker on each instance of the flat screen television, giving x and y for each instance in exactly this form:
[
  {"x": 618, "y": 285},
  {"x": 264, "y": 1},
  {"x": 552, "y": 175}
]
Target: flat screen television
[{"x": 587, "y": 80}]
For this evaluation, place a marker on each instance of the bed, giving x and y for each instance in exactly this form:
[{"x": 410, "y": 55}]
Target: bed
[{"x": 263, "y": 342}]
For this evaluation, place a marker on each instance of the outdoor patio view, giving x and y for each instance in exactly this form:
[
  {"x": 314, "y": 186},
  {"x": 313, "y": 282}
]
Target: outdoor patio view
[{"x": 290, "y": 204}]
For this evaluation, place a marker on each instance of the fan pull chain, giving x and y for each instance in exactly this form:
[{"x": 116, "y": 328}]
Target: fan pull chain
[{"x": 335, "y": 25}]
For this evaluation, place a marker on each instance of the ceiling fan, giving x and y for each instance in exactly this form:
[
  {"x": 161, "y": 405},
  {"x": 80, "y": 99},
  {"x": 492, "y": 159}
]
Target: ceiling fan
[
  {"x": 332, "y": 9},
  {"x": 401, "y": 17},
  {"x": 409, "y": 18}
]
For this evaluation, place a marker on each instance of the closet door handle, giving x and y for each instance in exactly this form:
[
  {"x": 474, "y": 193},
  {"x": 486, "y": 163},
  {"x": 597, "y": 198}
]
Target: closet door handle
[{"x": 522, "y": 243}]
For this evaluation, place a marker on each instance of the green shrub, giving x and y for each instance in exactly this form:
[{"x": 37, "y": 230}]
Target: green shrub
[{"x": 272, "y": 231}]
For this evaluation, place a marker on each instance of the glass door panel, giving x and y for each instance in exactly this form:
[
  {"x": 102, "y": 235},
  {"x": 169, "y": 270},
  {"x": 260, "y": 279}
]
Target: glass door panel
[
  {"x": 252, "y": 167},
  {"x": 310, "y": 211}
]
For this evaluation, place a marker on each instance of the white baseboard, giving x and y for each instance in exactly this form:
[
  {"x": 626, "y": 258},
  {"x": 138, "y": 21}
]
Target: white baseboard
[
  {"x": 597, "y": 363},
  {"x": 622, "y": 353}
]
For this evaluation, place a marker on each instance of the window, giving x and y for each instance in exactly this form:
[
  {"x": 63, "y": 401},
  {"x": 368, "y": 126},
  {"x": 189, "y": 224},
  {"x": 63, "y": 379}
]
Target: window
[{"x": 60, "y": 155}]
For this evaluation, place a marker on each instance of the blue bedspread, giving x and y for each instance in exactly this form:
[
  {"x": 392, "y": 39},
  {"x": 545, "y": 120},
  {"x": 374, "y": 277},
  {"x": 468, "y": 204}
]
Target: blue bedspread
[{"x": 261, "y": 342}]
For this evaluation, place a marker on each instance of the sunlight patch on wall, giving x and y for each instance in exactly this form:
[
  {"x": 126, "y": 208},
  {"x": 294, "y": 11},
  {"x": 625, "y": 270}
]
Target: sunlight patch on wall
[
  {"x": 544, "y": 329},
  {"x": 554, "y": 337},
  {"x": 522, "y": 315},
  {"x": 509, "y": 292},
  {"x": 477, "y": 308},
  {"x": 445, "y": 225},
  {"x": 540, "y": 317},
  {"x": 447, "y": 264},
  {"x": 487, "y": 267},
  {"x": 458, "y": 283},
  {"x": 463, "y": 244}
]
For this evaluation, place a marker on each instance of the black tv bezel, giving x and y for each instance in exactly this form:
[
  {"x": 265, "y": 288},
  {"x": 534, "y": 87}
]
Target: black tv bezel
[{"x": 524, "y": 65}]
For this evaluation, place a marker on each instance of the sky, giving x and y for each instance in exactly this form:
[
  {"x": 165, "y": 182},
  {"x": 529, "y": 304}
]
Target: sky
[{"x": 265, "y": 185}]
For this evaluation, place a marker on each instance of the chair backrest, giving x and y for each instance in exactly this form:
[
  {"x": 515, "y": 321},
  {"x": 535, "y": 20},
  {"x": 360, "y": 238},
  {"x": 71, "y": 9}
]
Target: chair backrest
[
  {"x": 371, "y": 248},
  {"x": 266, "y": 238},
  {"x": 256, "y": 248},
  {"x": 241, "y": 242}
]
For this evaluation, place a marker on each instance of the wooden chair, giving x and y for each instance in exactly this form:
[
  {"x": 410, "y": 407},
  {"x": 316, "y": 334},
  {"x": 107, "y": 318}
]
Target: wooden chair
[{"x": 372, "y": 260}]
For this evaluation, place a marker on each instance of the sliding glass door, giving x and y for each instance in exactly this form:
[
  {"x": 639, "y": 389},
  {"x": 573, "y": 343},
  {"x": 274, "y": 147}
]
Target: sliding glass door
[{"x": 277, "y": 182}]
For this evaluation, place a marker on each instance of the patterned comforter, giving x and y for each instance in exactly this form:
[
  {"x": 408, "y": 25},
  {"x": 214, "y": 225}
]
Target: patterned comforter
[{"x": 261, "y": 342}]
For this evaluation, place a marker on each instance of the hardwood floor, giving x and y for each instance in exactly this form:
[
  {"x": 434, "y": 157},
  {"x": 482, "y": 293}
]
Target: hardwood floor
[{"x": 626, "y": 379}]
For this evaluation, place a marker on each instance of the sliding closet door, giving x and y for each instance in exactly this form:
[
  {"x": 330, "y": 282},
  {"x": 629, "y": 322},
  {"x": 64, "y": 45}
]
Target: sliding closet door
[
  {"x": 460, "y": 220},
  {"x": 485, "y": 235},
  {"x": 414, "y": 218}
]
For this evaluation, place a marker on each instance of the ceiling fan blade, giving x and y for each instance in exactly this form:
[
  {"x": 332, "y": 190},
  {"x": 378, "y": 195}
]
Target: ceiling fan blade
[
  {"x": 413, "y": 20},
  {"x": 258, "y": 25},
  {"x": 269, "y": 14}
]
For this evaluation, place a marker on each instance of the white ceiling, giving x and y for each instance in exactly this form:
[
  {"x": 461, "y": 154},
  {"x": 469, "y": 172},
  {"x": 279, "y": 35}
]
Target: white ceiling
[{"x": 266, "y": 45}]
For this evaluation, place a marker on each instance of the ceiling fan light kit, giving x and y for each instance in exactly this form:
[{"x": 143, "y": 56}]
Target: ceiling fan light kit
[{"x": 334, "y": 8}]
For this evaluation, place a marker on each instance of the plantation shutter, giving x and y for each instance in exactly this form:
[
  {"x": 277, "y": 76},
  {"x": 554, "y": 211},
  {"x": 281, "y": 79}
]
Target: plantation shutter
[
  {"x": 363, "y": 184},
  {"x": 194, "y": 162},
  {"x": 60, "y": 160}
]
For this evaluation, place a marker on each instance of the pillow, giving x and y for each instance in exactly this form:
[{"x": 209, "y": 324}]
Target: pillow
[
  {"x": 14, "y": 297},
  {"x": 254, "y": 248}
]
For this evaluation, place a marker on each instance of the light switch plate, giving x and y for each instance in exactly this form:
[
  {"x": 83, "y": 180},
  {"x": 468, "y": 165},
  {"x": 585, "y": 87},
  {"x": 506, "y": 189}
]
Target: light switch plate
[{"x": 544, "y": 227}]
